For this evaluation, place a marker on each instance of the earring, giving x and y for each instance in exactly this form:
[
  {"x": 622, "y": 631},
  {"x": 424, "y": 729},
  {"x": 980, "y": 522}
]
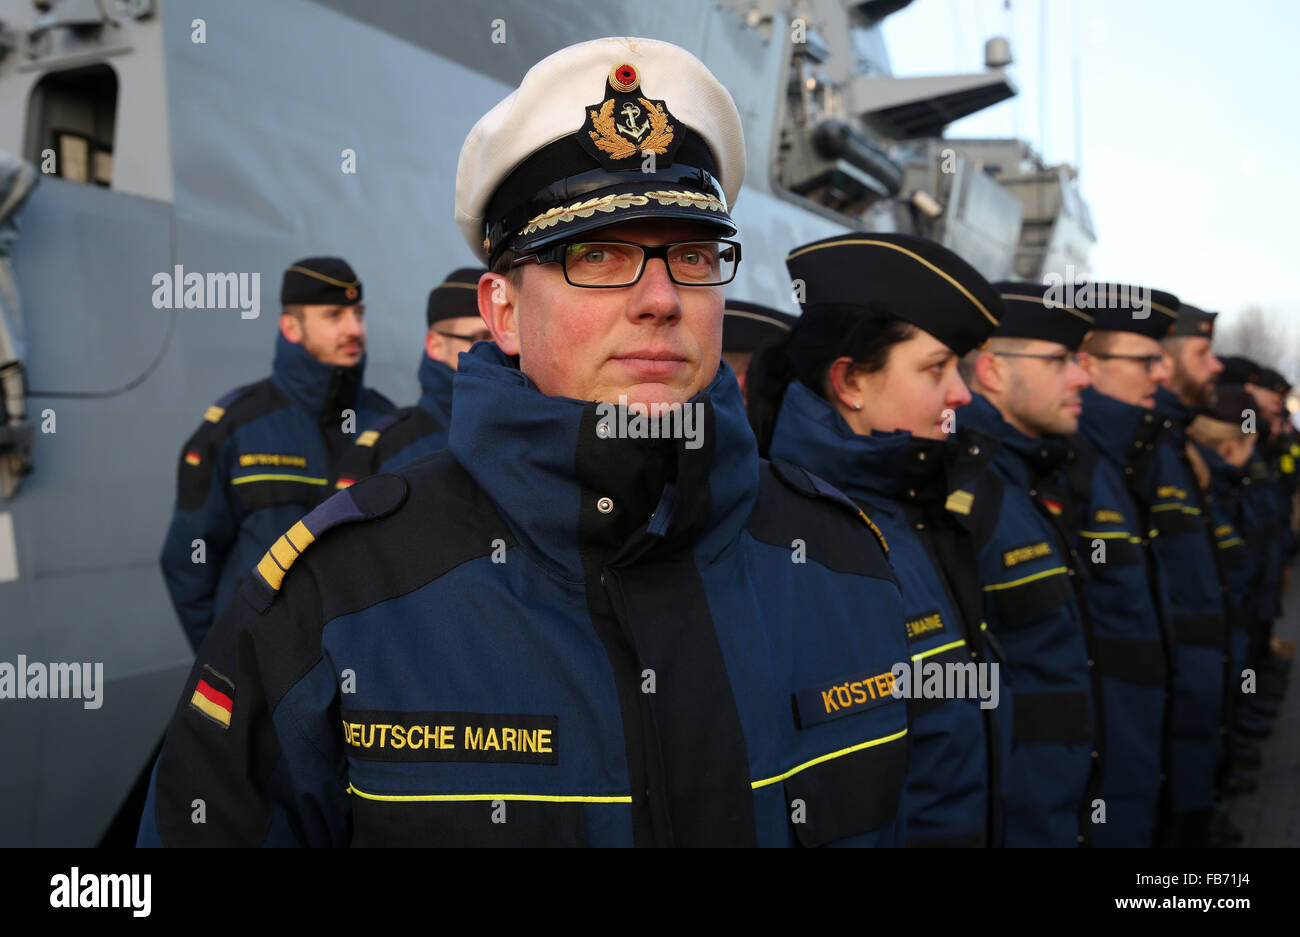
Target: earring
[{"x": 858, "y": 405}]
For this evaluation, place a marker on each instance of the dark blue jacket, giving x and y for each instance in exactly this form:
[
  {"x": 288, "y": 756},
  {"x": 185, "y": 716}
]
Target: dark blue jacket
[
  {"x": 1027, "y": 574},
  {"x": 1270, "y": 523},
  {"x": 262, "y": 458},
  {"x": 1188, "y": 574},
  {"x": 1128, "y": 622},
  {"x": 405, "y": 434},
  {"x": 1233, "y": 517},
  {"x": 1286, "y": 453},
  {"x": 600, "y": 641},
  {"x": 901, "y": 482}
]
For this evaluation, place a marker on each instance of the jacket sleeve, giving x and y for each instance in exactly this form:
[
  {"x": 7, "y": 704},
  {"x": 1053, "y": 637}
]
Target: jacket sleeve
[
  {"x": 253, "y": 755},
  {"x": 203, "y": 512}
]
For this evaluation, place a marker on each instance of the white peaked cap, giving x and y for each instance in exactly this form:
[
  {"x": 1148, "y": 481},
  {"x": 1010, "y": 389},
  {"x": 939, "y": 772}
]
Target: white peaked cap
[{"x": 554, "y": 101}]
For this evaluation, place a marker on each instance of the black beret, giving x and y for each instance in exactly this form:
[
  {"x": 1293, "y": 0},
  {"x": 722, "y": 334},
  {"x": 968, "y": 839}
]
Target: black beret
[
  {"x": 1272, "y": 380},
  {"x": 455, "y": 297},
  {"x": 1238, "y": 369},
  {"x": 899, "y": 276},
  {"x": 1032, "y": 310},
  {"x": 746, "y": 326},
  {"x": 1124, "y": 307},
  {"x": 320, "y": 281},
  {"x": 1228, "y": 403},
  {"x": 1193, "y": 321}
]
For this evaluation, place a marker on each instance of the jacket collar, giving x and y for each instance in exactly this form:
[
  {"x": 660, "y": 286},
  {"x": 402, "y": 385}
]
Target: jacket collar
[
  {"x": 542, "y": 462},
  {"x": 1024, "y": 458},
  {"x": 323, "y": 390},
  {"x": 896, "y": 466},
  {"x": 1174, "y": 410},
  {"x": 1113, "y": 425},
  {"x": 435, "y": 388},
  {"x": 1223, "y": 477}
]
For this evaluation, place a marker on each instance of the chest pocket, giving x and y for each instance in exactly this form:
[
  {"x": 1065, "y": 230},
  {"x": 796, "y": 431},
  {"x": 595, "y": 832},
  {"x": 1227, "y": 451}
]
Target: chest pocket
[
  {"x": 1232, "y": 549},
  {"x": 492, "y": 820},
  {"x": 1171, "y": 518},
  {"x": 266, "y": 479},
  {"x": 1022, "y": 599},
  {"x": 1103, "y": 549},
  {"x": 847, "y": 793}
]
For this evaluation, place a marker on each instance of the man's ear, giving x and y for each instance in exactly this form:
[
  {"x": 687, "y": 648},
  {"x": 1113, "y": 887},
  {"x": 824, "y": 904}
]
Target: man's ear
[
  {"x": 435, "y": 346},
  {"x": 988, "y": 371},
  {"x": 1089, "y": 365},
  {"x": 496, "y": 304},
  {"x": 291, "y": 328}
]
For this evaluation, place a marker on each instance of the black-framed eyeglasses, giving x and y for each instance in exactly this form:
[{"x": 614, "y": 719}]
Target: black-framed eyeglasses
[
  {"x": 607, "y": 265},
  {"x": 1058, "y": 360},
  {"x": 1148, "y": 361},
  {"x": 476, "y": 337}
]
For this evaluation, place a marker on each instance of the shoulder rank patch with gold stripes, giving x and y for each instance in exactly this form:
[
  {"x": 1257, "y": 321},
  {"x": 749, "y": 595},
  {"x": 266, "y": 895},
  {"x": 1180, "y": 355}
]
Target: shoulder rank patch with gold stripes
[
  {"x": 884, "y": 544},
  {"x": 960, "y": 502},
  {"x": 375, "y": 497}
]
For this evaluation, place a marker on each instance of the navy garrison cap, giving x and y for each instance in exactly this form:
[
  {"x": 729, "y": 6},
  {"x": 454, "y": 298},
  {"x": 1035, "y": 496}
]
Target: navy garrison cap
[
  {"x": 746, "y": 326},
  {"x": 1238, "y": 369},
  {"x": 320, "y": 281},
  {"x": 1228, "y": 403},
  {"x": 1193, "y": 321},
  {"x": 1124, "y": 307},
  {"x": 899, "y": 276},
  {"x": 1272, "y": 380},
  {"x": 1036, "y": 310},
  {"x": 616, "y": 129},
  {"x": 456, "y": 296}
]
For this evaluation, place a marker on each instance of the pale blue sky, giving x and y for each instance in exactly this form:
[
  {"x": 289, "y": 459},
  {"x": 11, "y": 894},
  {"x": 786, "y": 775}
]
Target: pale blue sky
[{"x": 1190, "y": 147}]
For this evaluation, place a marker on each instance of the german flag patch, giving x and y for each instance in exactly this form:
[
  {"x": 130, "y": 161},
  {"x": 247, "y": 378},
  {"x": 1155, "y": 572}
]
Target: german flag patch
[
  {"x": 212, "y": 702},
  {"x": 193, "y": 458}
]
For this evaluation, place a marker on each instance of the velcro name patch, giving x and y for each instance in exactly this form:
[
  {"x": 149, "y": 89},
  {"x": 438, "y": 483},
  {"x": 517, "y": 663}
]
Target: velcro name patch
[
  {"x": 1026, "y": 553},
  {"x": 921, "y": 625},
  {"x": 451, "y": 736},
  {"x": 845, "y": 697},
  {"x": 271, "y": 458}
]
